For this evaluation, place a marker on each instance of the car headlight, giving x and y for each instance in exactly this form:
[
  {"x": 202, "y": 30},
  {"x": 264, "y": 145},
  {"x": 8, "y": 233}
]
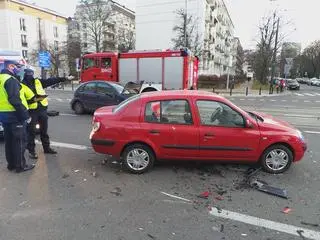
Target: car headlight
[
  {"x": 300, "y": 136},
  {"x": 95, "y": 126}
]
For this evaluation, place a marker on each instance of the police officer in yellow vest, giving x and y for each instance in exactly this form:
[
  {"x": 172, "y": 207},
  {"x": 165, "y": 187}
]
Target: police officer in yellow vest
[
  {"x": 14, "y": 116},
  {"x": 38, "y": 111}
]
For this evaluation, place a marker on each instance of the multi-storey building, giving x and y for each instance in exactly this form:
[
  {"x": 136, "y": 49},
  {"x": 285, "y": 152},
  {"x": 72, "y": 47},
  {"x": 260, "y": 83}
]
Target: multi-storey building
[
  {"x": 118, "y": 30},
  {"x": 24, "y": 24},
  {"x": 155, "y": 22}
]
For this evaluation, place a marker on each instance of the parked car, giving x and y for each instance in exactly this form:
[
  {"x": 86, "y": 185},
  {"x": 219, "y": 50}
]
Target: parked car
[
  {"x": 192, "y": 125},
  {"x": 92, "y": 95},
  {"x": 293, "y": 84}
]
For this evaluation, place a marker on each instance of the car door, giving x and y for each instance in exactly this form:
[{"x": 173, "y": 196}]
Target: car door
[
  {"x": 88, "y": 96},
  {"x": 106, "y": 95},
  {"x": 223, "y": 133},
  {"x": 169, "y": 126}
]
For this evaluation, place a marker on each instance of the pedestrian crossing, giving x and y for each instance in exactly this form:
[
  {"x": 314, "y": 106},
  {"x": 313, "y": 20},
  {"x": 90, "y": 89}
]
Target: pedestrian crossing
[
  {"x": 307, "y": 94},
  {"x": 59, "y": 99}
]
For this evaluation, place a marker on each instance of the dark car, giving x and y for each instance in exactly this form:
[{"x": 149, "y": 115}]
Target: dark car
[
  {"x": 293, "y": 85},
  {"x": 92, "y": 95}
]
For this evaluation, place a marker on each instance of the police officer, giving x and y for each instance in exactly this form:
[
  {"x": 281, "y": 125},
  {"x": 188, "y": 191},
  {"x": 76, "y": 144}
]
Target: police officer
[
  {"x": 14, "y": 117},
  {"x": 38, "y": 111}
]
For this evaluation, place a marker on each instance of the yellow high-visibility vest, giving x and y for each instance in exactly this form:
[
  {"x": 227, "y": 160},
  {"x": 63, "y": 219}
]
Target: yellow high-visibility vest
[
  {"x": 39, "y": 91},
  {"x": 5, "y": 105}
]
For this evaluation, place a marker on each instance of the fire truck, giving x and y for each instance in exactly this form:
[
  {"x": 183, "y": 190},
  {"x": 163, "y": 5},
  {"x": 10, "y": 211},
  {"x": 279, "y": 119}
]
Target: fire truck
[{"x": 152, "y": 70}]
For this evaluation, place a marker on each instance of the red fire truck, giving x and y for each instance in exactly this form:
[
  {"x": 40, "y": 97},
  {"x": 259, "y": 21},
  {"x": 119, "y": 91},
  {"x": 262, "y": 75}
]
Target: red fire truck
[{"x": 154, "y": 70}]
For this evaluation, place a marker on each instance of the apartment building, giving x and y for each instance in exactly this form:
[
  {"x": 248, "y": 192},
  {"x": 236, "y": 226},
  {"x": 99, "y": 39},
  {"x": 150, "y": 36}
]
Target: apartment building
[
  {"x": 118, "y": 30},
  {"x": 23, "y": 24},
  {"x": 154, "y": 30}
]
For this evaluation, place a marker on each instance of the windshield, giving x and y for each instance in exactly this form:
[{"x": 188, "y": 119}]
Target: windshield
[
  {"x": 255, "y": 116},
  {"x": 118, "y": 87},
  {"x": 125, "y": 103}
]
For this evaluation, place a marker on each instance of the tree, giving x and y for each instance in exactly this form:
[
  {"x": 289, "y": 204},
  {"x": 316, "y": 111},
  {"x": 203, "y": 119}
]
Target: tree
[
  {"x": 186, "y": 32},
  {"x": 239, "y": 61},
  {"x": 95, "y": 15},
  {"x": 126, "y": 40},
  {"x": 271, "y": 36}
]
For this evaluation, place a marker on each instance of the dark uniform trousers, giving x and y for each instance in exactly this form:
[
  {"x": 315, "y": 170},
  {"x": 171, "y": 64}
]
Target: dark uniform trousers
[
  {"x": 40, "y": 117},
  {"x": 15, "y": 144}
]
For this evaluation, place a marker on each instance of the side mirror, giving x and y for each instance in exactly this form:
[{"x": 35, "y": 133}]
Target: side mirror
[{"x": 249, "y": 124}]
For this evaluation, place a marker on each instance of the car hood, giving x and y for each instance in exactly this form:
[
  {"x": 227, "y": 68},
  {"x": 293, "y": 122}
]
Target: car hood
[{"x": 272, "y": 123}]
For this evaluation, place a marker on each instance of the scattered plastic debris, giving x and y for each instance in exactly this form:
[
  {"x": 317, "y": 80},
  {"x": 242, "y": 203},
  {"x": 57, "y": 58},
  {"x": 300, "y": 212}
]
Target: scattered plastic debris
[
  {"x": 310, "y": 224},
  {"x": 219, "y": 197},
  {"x": 76, "y": 170},
  {"x": 66, "y": 175},
  {"x": 300, "y": 234},
  {"x": 84, "y": 179},
  {"x": 151, "y": 236},
  {"x": 221, "y": 228},
  {"x": 286, "y": 210},
  {"x": 23, "y": 203},
  {"x": 244, "y": 234},
  {"x": 204, "y": 195},
  {"x": 116, "y": 192},
  {"x": 94, "y": 174},
  {"x": 264, "y": 187},
  {"x": 140, "y": 228}
]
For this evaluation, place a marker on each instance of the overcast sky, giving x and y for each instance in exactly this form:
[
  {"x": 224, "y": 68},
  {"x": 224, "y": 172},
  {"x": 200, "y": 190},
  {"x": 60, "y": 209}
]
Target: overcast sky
[{"x": 246, "y": 15}]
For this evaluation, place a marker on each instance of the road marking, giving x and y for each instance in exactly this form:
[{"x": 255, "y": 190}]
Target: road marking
[
  {"x": 283, "y": 100},
  {"x": 318, "y": 94},
  {"x": 173, "y": 196},
  {"x": 261, "y": 100},
  {"x": 312, "y": 132},
  {"x": 294, "y": 100},
  {"x": 306, "y": 101},
  {"x": 309, "y": 94},
  {"x": 299, "y": 94},
  {"x": 297, "y": 115},
  {"x": 241, "y": 99},
  {"x": 272, "y": 100},
  {"x": 317, "y": 101},
  {"x": 68, "y": 99},
  {"x": 251, "y": 99},
  {"x": 59, "y": 99},
  {"x": 67, "y": 145},
  {"x": 69, "y": 114},
  {"x": 264, "y": 223}
]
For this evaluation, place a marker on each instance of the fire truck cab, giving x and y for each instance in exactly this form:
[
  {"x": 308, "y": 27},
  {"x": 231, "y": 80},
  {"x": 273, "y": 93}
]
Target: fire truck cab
[{"x": 154, "y": 70}]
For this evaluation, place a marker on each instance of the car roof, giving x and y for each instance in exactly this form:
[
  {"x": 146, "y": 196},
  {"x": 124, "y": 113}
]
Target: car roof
[{"x": 180, "y": 93}]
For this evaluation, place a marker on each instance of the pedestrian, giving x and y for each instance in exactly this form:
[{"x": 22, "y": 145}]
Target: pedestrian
[
  {"x": 38, "y": 111},
  {"x": 14, "y": 117}
]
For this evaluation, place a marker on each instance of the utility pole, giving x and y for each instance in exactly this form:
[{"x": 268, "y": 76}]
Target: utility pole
[
  {"x": 275, "y": 52},
  {"x": 185, "y": 23},
  {"x": 40, "y": 46}
]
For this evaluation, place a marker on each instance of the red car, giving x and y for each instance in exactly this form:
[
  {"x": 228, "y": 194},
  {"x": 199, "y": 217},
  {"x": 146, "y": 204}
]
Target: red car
[{"x": 193, "y": 125}]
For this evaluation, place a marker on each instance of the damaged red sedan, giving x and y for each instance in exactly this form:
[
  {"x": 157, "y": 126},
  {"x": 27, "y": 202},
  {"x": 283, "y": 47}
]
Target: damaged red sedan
[{"x": 193, "y": 125}]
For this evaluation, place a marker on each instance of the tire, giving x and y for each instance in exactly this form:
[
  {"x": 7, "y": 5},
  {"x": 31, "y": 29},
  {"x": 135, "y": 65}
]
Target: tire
[
  {"x": 277, "y": 149},
  {"x": 78, "y": 108},
  {"x": 140, "y": 150}
]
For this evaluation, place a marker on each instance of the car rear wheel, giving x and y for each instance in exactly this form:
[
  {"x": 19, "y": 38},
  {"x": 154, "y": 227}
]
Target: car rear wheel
[
  {"x": 277, "y": 159},
  {"x": 78, "y": 108},
  {"x": 138, "y": 158}
]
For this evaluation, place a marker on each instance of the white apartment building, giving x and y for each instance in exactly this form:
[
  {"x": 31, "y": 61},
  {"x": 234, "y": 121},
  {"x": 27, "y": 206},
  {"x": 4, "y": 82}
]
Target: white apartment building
[
  {"x": 120, "y": 27},
  {"x": 154, "y": 29},
  {"x": 23, "y": 23}
]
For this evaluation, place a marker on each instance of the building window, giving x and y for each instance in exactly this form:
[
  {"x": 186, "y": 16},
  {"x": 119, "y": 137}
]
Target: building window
[
  {"x": 84, "y": 25},
  {"x": 85, "y": 44},
  {"x": 56, "y": 45},
  {"x": 23, "y": 24},
  {"x": 55, "y": 32},
  {"x": 24, "y": 40},
  {"x": 85, "y": 36},
  {"x": 25, "y": 54}
]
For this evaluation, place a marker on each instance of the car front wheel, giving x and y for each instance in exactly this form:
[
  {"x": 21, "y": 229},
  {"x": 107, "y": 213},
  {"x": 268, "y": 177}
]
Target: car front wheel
[
  {"x": 138, "y": 158},
  {"x": 277, "y": 159},
  {"x": 78, "y": 108}
]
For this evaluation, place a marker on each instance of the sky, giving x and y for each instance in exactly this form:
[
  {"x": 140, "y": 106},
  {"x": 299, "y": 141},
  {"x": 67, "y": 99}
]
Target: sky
[{"x": 246, "y": 16}]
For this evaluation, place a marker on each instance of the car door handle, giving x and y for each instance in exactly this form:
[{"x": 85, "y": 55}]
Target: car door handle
[
  {"x": 154, "y": 131},
  {"x": 208, "y": 135}
]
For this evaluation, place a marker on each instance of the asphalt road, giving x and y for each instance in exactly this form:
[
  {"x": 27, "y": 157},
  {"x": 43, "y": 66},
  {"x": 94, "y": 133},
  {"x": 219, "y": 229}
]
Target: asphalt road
[{"x": 74, "y": 196}]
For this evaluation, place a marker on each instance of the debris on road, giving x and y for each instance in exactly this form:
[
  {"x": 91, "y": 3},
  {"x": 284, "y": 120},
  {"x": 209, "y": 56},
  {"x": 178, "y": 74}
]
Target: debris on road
[
  {"x": 66, "y": 175},
  {"x": 23, "y": 203},
  {"x": 94, "y": 174},
  {"x": 77, "y": 170},
  {"x": 310, "y": 224},
  {"x": 221, "y": 228},
  {"x": 264, "y": 187},
  {"x": 140, "y": 228},
  {"x": 151, "y": 236},
  {"x": 116, "y": 192},
  {"x": 204, "y": 195},
  {"x": 219, "y": 197},
  {"x": 177, "y": 197},
  {"x": 286, "y": 210},
  {"x": 300, "y": 234},
  {"x": 244, "y": 234}
]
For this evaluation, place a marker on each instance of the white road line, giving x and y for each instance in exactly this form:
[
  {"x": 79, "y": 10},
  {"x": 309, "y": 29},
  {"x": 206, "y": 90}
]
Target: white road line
[
  {"x": 283, "y": 100},
  {"x": 67, "y": 145},
  {"x": 312, "y": 132},
  {"x": 68, "y": 114},
  {"x": 272, "y": 100},
  {"x": 309, "y": 94},
  {"x": 68, "y": 99},
  {"x": 173, "y": 196},
  {"x": 241, "y": 99},
  {"x": 264, "y": 223},
  {"x": 318, "y": 101},
  {"x": 297, "y": 115},
  {"x": 261, "y": 100},
  {"x": 59, "y": 99},
  {"x": 318, "y": 94},
  {"x": 299, "y": 94},
  {"x": 306, "y": 101}
]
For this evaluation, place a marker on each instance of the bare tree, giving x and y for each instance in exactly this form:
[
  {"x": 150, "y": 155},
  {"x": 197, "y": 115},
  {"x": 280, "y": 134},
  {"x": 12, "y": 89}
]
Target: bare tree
[
  {"x": 186, "y": 33},
  {"x": 126, "y": 40},
  {"x": 95, "y": 15},
  {"x": 271, "y": 35}
]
